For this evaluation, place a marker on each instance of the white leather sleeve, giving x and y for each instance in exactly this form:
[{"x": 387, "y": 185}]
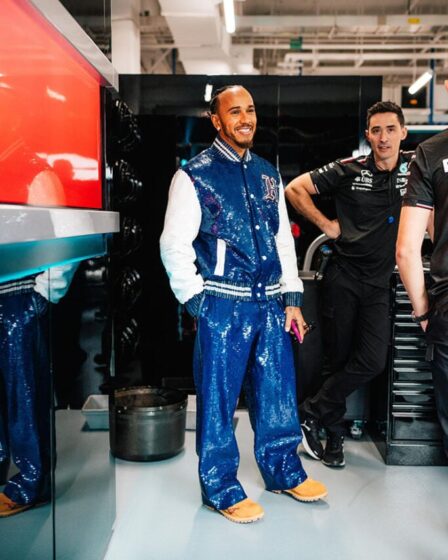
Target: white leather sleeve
[
  {"x": 182, "y": 223},
  {"x": 289, "y": 281},
  {"x": 53, "y": 284}
]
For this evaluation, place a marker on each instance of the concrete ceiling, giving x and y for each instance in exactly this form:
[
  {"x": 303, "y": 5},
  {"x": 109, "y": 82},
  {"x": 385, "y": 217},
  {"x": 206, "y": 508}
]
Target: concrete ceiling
[{"x": 397, "y": 39}]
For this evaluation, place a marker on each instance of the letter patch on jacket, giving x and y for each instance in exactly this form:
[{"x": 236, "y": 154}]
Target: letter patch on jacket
[{"x": 271, "y": 188}]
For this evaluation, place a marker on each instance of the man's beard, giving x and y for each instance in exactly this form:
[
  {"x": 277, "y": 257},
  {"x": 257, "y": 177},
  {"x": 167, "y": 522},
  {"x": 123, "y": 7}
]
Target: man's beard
[
  {"x": 247, "y": 145},
  {"x": 243, "y": 144}
]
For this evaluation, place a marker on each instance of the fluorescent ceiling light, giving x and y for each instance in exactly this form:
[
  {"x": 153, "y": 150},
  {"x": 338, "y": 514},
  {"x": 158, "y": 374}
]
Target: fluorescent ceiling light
[
  {"x": 208, "y": 93},
  {"x": 229, "y": 15},
  {"x": 420, "y": 82}
]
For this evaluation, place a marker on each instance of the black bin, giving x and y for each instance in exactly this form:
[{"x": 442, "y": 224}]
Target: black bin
[{"x": 147, "y": 423}]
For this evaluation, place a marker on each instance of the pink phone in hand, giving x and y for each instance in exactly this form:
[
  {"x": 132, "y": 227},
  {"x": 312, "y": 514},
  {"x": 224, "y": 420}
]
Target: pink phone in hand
[{"x": 296, "y": 331}]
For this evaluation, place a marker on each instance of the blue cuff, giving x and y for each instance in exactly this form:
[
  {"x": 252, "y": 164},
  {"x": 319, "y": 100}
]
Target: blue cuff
[
  {"x": 193, "y": 305},
  {"x": 293, "y": 299}
]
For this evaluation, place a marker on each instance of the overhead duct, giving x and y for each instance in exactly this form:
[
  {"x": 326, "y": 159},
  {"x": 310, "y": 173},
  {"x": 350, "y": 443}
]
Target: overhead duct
[
  {"x": 203, "y": 45},
  {"x": 354, "y": 21}
]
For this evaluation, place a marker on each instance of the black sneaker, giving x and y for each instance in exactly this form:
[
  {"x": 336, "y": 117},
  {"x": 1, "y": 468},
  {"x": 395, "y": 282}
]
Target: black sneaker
[
  {"x": 334, "y": 451},
  {"x": 310, "y": 439}
]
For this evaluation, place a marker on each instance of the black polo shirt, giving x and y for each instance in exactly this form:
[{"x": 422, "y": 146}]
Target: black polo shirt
[
  {"x": 368, "y": 203},
  {"x": 428, "y": 188}
]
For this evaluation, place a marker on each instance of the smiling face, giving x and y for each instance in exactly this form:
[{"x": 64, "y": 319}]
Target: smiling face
[
  {"x": 385, "y": 134},
  {"x": 235, "y": 118}
]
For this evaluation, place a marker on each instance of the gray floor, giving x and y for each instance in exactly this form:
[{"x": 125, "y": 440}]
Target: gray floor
[
  {"x": 373, "y": 512},
  {"x": 85, "y": 489},
  {"x": 85, "y": 501},
  {"x": 28, "y": 536}
]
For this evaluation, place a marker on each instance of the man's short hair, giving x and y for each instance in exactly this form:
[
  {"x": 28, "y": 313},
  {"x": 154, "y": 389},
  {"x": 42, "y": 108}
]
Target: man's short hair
[
  {"x": 214, "y": 100},
  {"x": 385, "y": 107}
]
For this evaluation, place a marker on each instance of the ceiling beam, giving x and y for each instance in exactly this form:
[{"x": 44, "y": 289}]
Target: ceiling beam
[{"x": 158, "y": 60}]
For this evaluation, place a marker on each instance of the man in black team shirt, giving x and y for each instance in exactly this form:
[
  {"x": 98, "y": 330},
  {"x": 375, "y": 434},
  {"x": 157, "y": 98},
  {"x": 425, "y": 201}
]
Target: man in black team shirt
[
  {"x": 427, "y": 197},
  {"x": 367, "y": 192}
]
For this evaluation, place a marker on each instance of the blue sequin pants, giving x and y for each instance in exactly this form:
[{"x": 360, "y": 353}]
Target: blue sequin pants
[
  {"x": 244, "y": 344},
  {"x": 25, "y": 395}
]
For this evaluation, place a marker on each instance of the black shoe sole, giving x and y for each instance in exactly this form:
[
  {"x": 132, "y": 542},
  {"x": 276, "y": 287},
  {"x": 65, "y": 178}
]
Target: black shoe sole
[
  {"x": 308, "y": 449},
  {"x": 334, "y": 465}
]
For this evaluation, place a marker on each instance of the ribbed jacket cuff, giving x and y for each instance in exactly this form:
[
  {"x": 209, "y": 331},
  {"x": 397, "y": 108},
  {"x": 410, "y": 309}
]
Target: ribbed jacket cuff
[
  {"x": 193, "y": 305},
  {"x": 293, "y": 299}
]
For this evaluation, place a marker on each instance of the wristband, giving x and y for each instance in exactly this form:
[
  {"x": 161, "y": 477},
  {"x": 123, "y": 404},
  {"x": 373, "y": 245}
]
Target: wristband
[{"x": 420, "y": 318}]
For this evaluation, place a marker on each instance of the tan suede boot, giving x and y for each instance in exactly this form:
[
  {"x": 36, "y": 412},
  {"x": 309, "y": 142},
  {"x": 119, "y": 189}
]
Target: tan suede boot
[
  {"x": 8, "y": 507},
  {"x": 246, "y": 511},
  {"x": 308, "y": 491}
]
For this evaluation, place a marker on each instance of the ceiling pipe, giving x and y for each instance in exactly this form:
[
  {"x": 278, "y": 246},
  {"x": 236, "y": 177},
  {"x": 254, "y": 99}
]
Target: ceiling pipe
[
  {"x": 313, "y": 46},
  {"x": 296, "y": 57}
]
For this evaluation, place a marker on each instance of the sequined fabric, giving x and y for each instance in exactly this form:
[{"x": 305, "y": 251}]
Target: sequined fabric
[
  {"x": 25, "y": 395},
  {"x": 241, "y": 343},
  {"x": 245, "y": 217}
]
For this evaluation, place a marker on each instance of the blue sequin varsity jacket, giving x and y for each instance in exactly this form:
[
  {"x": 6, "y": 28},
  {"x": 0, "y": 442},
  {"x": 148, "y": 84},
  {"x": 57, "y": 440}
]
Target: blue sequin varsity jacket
[{"x": 227, "y": 230}]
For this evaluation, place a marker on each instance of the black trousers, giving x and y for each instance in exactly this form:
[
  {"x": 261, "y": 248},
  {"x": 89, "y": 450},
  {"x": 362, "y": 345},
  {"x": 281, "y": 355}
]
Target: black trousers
[
  {"x": 439, "y": 366},
  {"x": 356, "y": 334},
  {"x": 437, "y": 337}
]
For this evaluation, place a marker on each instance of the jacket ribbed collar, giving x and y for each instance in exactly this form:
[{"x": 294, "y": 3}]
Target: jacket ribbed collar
[{"x": 225, "y": 150}]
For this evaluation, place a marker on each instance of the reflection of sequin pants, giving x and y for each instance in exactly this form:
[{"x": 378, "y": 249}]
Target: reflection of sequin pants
[
  {"x": 245, "y": 342},
  {"x": 25, "y": 395}
]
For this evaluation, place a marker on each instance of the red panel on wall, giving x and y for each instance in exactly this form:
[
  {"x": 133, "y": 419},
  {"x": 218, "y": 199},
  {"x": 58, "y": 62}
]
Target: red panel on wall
[{"x": 50, "y": 135}]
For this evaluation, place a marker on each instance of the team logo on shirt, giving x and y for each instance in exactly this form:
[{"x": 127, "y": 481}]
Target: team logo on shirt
[
  {"x": 271, "y": 188},
  {"x": 402, "y": 177},
  {"x": 325, "y": 168},
  {"x": 401, "y": 183},
  {"x": 363, "y": 182},
  {"x": 445, "y": 165},
  {"x": 365, "y": 174}
]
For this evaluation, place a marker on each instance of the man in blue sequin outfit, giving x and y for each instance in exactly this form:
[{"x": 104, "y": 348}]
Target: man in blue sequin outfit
[{"x": 229, "y": 254}]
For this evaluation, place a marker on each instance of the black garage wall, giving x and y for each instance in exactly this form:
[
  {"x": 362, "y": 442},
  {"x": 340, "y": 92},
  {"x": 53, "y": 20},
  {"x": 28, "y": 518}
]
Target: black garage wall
[{"x": 303, "y": 122}]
